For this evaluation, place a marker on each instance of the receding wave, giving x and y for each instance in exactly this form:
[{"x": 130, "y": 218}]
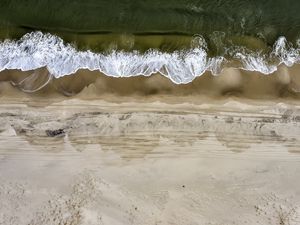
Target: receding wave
[{"x": 36, "y": 50}]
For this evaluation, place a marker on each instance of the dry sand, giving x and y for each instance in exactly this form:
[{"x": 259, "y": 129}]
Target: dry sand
[{"x": 96, "y": 162}]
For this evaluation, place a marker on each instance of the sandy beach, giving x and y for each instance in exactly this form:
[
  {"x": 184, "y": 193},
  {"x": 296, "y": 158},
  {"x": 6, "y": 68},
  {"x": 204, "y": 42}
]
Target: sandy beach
[
  {"x": 148, "y": 161},
  {"x": 152, "y": 112}
]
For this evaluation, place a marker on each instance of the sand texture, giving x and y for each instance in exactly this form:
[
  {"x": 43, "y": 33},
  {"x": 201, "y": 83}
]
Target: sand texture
[{"x": 97, "y": 162}]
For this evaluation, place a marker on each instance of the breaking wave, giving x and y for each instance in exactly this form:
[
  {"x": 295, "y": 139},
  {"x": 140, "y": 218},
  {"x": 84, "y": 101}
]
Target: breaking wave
[{"x": 36, "y": 50}]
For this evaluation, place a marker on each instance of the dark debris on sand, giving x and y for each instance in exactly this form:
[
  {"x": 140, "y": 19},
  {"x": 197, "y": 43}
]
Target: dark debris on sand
[{"x": 55, "y": 133}]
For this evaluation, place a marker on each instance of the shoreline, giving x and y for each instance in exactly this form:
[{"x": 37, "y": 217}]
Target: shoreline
[
  {"x": 283, "y": 84},
  {"x": 37, "y": 50}
]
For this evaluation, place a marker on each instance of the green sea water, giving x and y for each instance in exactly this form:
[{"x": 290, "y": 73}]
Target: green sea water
[{"x": 144, "y": 24}]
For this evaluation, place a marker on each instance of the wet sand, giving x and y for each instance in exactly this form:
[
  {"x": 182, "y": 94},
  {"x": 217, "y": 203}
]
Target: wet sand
[{"x": 282, "y": 85}]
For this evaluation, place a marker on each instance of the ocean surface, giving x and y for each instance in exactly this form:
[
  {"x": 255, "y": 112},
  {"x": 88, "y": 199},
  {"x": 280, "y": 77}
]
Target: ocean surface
[{"x": 180, "y": 39}]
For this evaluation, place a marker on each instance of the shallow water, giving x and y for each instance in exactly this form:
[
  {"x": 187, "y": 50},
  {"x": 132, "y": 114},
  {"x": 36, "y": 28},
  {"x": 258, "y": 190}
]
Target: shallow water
[{"x": 232, "y": 82}]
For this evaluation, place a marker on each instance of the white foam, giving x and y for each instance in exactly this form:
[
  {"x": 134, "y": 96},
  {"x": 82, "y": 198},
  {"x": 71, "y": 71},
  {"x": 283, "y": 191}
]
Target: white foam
[
  {"x": 285, "y": 52},
  {"x": 36, "y": 49},
  {"x": 256, "y": 62}
]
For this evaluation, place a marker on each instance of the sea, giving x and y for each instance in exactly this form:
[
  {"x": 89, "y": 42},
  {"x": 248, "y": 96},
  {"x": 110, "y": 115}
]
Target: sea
[{"x": 179, "y": 39}]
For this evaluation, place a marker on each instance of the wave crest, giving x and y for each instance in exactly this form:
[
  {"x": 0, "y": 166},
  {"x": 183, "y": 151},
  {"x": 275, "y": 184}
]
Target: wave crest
[{"x": 36, "y": 49}]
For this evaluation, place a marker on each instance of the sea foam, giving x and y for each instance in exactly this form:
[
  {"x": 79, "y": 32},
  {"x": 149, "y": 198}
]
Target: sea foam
[{"x": 36, "y": 49}]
